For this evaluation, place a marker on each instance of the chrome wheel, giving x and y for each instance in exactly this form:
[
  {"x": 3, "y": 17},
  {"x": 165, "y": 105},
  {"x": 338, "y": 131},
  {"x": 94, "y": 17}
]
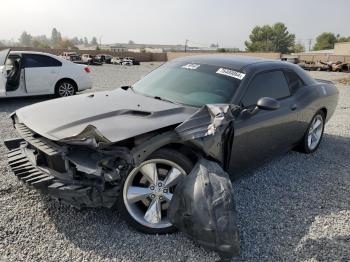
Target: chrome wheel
[
  {"x": 66, "y": 89},
  {"x": 315, "y": 132},
  {"x": 148, "y": 189}
]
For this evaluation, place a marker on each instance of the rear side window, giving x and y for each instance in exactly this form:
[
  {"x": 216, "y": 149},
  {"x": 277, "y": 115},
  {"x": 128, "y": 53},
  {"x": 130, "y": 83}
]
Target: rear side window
[
  {"x": 293, "y": 80},
  {"x": 270, "y": 84},
  {"x": 31, "y": 60}
]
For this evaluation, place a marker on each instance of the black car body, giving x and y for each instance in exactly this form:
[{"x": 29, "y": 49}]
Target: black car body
[{"x": 235, "y": 111}]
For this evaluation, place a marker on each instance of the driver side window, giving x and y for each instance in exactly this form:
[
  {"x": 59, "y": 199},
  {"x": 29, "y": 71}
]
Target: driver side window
[{"x": 269, "y": 84}]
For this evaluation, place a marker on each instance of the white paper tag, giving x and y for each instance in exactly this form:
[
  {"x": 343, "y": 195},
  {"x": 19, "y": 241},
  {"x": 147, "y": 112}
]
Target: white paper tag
[
  {"x": 191, "y": 66},
  {"x": 231, "y": 73}
]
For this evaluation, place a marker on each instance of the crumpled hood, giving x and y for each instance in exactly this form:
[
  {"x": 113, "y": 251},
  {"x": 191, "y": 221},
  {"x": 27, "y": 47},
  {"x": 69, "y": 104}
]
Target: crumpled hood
[{"x": 117, "y": 115}]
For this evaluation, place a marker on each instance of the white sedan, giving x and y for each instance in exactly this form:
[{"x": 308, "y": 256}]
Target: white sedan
[{"x": 26, "y": 73}]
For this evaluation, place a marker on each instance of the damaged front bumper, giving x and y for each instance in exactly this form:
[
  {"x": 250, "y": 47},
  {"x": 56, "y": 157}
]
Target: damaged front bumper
[
  {"x": 70, "y": 191},
  {"x": 81, "y": 179}
]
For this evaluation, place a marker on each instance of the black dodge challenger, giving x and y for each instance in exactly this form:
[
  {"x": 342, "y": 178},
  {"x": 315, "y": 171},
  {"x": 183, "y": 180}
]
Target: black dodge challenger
[{"x": 130, "y": 147}]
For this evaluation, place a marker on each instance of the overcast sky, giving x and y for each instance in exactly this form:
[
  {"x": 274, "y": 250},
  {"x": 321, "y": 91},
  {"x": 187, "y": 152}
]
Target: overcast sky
[{"x": 227, "y": 22}]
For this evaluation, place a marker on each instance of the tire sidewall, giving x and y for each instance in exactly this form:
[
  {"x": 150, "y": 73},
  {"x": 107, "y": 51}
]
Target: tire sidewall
[{"x": 306, "y": 145}]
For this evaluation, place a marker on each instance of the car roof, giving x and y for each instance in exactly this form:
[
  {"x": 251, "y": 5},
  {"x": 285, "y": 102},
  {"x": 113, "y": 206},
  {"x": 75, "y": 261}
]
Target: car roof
[{"x": 235, "y": 62}]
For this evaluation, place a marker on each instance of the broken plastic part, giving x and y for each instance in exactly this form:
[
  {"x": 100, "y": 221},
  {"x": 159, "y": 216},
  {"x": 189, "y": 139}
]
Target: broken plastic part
[{"x": 203, "y": 208}]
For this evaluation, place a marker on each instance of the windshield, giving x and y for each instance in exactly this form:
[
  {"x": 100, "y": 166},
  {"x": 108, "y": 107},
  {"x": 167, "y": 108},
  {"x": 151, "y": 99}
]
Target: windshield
[{"x": 190, "y": 84}]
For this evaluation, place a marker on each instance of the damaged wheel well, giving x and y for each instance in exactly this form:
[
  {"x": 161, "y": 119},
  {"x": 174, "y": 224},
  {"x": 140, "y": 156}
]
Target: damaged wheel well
[{"x": 192, "y": 153}]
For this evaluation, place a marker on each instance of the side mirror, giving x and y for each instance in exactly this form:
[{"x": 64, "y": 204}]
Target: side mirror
[{"x": 268, "y": 103}]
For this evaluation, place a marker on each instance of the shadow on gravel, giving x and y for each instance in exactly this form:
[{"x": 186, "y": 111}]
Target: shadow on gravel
[
  {"x": 10, "y": 105},
  {"x": 278, "y": 207}
]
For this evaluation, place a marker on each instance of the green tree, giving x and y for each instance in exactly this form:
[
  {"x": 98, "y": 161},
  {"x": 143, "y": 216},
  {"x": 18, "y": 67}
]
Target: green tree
[
  {"x": 326, "y": 40},
  {"x": 275, "y": 38},
  {"x": 66, "y": 44},
  {"x": 343, "y": 39},
  {"x": 86, "y": 42},
  {"x": 25, "y": 39},
  {"x": 94, "y": 41},
  {"x": 298, "y": 48},
  {"x": 56, "y": 37}
]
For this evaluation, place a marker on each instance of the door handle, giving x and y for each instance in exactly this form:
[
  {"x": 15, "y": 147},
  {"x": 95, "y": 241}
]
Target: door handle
[{"x": 293, "y": 107}]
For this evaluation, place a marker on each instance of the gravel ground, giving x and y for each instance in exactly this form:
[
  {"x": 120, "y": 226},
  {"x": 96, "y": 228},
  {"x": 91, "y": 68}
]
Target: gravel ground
[{"x": 297, "y": 207}]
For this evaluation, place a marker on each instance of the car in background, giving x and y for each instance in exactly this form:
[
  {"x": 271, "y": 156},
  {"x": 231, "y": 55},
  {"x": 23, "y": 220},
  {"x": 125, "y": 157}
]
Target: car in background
[
  {"x": 134, "y": 61},
  {"x": 116, "y": 61},
  {"x": 103, "y": 58},
  {"x": 87, "y": 58},
  {"x": 70, "y": 56},
  {"x": 27, "y": 73},
  {"x": 127, "y": 61}
]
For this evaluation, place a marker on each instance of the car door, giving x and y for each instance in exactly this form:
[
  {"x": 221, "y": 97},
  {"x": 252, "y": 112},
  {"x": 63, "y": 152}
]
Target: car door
[
  {"x": 41, "y": 73},
  {"x": 3, "y": 74},
  {"x": 261, "y": 135}
]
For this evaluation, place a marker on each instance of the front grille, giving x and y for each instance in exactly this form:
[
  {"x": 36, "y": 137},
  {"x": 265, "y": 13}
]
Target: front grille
[
  {"x": 36, "y": 141},
  {"x": 49, "y": 154}
]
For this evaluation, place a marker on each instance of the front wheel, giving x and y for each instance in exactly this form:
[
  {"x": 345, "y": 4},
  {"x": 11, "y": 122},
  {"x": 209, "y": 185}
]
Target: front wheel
[
  {"x": 148, "y": 189},
  {"x": 313, "y": 135}
]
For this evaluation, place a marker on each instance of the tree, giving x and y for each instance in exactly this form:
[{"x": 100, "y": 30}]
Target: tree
[
  {"x": 131, "y": 42},
  {"x": 275, "y": 38},
  {"x": 75, "y": 40},
  {"x": 326, "y": 40},
  {"x": 25, "y": 39},
  {"x": 86, "y": 42},
  {"x": 214, "y": 45},
  {"x": 56, "y": 37},
  {"x": 66, "y": 44},
  {"x": 1, "y": 44},
  {"x": 298, "y": 48},
  {"x": 41, "y": 42},
  {"x": 94, "y": 41},
  {"x": 342, "y": 39}
]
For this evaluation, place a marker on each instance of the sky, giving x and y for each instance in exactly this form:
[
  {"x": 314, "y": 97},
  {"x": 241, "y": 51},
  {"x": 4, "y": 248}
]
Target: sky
[{"x": 202, "y": 22}]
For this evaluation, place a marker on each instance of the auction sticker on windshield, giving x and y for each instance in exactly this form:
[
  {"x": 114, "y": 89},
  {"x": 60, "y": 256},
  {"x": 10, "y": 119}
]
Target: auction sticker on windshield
[
  {"x": 191, "y": 66},
  {"x": 231, "y": 73}
]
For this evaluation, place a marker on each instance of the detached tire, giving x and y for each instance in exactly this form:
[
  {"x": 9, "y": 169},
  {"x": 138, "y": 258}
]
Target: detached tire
[
  {"x": 313, "y": 136},
  {"x": 65, "y": 88},
  {"x": 148, "y": 188}
]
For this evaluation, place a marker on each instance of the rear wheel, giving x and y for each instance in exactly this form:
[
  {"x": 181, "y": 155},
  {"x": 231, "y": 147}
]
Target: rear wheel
[
  {"x": 65, "y": 88},
  {"x": 148, "y": 189},
  {"x": 313, "y": 135}
]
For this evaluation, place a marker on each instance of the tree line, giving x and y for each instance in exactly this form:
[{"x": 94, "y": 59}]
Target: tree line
[
  {"x": 266, "y": 38},
  {"x": 277, "y": 38},
  {"x": 55, "y": 41}
]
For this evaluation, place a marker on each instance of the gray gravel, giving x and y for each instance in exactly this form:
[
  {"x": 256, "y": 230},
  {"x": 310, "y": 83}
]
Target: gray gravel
[{"x": 297, "y": 207}]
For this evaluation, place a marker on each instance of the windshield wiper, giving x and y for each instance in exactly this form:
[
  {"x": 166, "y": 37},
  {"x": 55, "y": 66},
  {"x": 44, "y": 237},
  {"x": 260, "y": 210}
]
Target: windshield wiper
[
  {"x": 166, "y": 100},
  {"x": 128, "y": 87}
]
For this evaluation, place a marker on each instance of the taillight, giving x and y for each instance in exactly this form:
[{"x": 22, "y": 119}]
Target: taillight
[{"x": 87, "y": 69}]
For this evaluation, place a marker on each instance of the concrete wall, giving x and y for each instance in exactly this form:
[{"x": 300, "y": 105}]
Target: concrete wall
[
  {"x": 342, "y": 48},
  {"x": 142, "y": 57},
  {"x": 173, "y": 55},
  {"x": 324, "y": 58}
]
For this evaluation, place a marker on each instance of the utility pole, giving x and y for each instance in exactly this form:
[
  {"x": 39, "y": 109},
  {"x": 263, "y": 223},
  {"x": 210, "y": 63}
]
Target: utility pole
[
  {"x": 186, "y": 45},
  {"x": 101, "y": 40},
  {"x": 309, "y": 43}
]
